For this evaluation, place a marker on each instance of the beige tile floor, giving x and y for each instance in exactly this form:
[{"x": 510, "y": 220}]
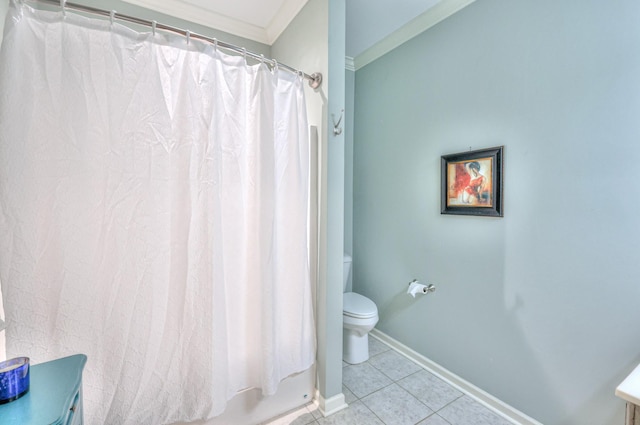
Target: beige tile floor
[{"x": 390, "y": 389}]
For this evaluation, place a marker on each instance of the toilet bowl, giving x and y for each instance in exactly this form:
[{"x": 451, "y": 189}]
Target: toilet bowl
[{"x": 359, "y": 316}]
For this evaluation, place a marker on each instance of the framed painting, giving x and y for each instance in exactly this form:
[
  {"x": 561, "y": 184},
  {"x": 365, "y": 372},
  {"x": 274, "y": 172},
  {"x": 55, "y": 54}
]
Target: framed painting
[{"x": 472, "y": 183}]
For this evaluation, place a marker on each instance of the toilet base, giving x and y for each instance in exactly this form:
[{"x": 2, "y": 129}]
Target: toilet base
[{"x": 355, "y": 348}]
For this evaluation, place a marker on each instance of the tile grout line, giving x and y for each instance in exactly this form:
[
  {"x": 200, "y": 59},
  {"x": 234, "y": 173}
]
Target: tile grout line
[
  {"x": 496, "y": 406},
  {"x": 421, "y": 369},
  {"x": 448, "y": 404},
  {"x": 396, "y": 381},
  {"x": 396, "y": 369},
  {"x": 372, "y": 412}
]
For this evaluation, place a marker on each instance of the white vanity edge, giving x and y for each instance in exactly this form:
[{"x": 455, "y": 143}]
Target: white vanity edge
[{"x": 629, "y": 389}]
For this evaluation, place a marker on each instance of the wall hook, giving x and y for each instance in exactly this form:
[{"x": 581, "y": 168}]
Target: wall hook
[{"x": 337, "y": 130}]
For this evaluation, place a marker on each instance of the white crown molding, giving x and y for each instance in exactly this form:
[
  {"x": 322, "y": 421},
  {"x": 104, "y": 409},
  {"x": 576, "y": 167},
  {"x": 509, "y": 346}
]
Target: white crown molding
[
  {"x": 283, "y": 18},
  {"x": 349, "y": 65},
  {"x": 423, "y": 22},
  {"x": 194, "y": 13},
  {"x": 202, "y": 16}
]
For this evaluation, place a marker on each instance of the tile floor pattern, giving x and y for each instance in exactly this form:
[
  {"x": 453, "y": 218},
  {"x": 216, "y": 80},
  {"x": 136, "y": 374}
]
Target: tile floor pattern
[{"x": 390, "y": 389}]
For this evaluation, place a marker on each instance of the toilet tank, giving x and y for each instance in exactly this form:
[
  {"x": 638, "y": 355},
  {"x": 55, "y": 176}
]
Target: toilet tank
[{"x": 345, "y": 271}]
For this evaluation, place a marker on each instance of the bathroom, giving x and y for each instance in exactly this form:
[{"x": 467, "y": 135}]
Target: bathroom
[{"x": 537, "y": 308}]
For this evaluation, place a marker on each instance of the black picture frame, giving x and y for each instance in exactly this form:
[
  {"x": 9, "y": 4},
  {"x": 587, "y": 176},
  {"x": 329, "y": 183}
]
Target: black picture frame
[{"x": 471, "y": 183}]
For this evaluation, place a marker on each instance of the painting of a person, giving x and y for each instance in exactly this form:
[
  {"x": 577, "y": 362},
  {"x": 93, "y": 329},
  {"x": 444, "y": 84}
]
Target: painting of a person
[
  {"x": 471, "y": 183},
  {"x": 472, "y": 193}
]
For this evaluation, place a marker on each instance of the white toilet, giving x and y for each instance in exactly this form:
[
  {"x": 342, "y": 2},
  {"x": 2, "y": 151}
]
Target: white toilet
[{"x": 359, "y": 316}]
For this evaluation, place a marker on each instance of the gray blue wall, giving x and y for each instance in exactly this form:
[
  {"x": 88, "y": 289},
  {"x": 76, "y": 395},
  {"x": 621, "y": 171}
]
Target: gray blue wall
[
  {"x": 539, "y": 308},
  {"x": 350, "y": 77}
]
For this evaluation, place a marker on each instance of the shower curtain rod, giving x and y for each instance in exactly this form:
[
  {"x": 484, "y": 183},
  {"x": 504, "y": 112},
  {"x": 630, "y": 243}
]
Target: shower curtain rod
[{"x": 315, "y": 79}]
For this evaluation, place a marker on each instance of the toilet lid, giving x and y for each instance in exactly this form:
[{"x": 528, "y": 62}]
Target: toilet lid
[{"x": 358, "y": 306}]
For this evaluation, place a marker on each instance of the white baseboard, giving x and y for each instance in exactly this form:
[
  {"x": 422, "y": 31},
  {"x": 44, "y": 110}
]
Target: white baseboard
[
  {"x": 330, "y": 405},
  {"x": 483, "y": 397}
]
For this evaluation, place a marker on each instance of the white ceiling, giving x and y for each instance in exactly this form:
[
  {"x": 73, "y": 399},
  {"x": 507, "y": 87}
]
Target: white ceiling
[{"x": 368, "y": 21}]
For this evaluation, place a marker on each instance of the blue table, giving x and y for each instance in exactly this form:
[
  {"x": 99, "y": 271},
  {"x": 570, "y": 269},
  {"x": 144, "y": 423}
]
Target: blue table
[{"x": 54, "y": 397}]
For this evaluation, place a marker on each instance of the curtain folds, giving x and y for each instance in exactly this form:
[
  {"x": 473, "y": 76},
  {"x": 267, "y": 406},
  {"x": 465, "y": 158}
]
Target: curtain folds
[{"x": 153, "y": 215}]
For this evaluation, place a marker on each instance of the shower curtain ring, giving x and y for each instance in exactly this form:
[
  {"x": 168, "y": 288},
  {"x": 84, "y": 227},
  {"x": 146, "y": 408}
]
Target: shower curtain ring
[
  {"x": 153, "y": 27},
  {"x": 62, "y": 6},
  {"x": 112, "y": 16},
  {"x": 188, "y": 34}
]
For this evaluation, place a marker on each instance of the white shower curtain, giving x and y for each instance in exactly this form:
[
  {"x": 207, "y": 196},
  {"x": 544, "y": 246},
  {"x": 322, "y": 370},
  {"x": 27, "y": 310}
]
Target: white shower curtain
[{"x": 153, "y": 215}]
